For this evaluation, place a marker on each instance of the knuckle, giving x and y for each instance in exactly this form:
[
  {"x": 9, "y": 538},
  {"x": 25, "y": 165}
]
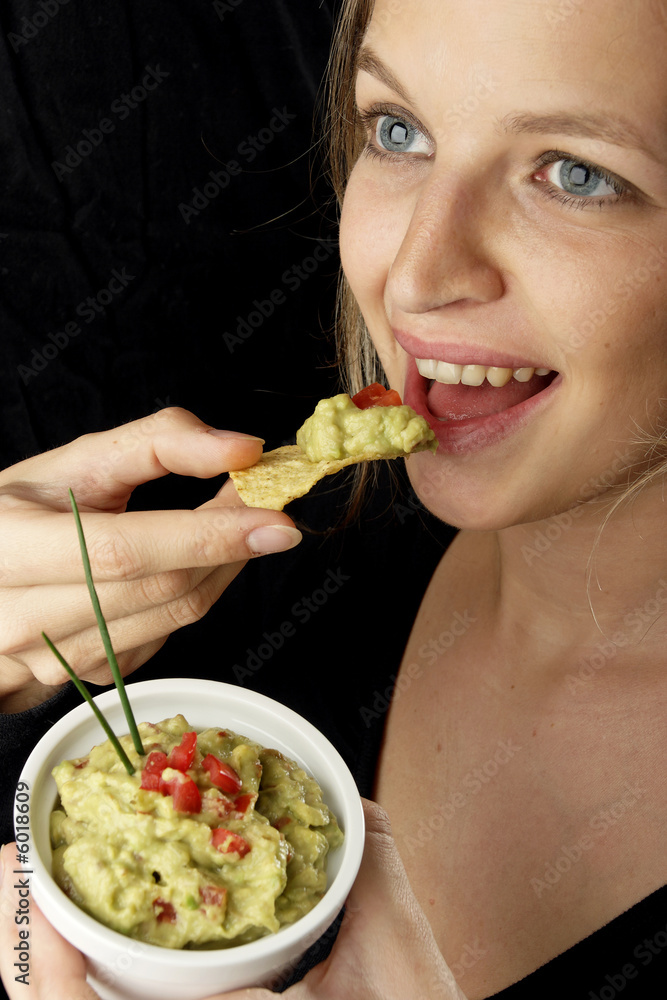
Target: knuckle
[
  {"x": 19, "y": 629},
  {"x": 113, "y": 557},
  {"x": 170, "y": 415},
  {"x": 189, "y": 609},
  {"x": 216, "y": 543},
  {"x": 163, "y": 588}
]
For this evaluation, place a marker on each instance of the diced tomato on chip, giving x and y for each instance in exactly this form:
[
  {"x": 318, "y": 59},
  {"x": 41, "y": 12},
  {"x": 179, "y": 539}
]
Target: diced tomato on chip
[
  {"x": 222, "y": 775},
  {"x": 228, "y": 842},
  {"x": 376, "y": 395}
]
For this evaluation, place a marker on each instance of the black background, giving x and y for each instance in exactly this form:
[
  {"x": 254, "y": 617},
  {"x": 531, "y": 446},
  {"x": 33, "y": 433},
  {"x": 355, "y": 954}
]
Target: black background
[{"x": 220, "y": 72}]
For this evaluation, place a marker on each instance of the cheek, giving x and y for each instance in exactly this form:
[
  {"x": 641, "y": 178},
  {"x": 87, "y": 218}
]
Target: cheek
[
  {"x": 368, "y": 243},
  {"x": 370, "y": 237}
]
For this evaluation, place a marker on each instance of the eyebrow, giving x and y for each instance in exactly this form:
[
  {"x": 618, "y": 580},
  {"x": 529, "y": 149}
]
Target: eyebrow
[
  {"x": 617, "y": 131},
  {"x": 370, "y": 63}
]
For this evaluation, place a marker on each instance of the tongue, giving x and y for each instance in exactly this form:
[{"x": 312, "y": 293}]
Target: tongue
[{"x": 463, "y": 402}]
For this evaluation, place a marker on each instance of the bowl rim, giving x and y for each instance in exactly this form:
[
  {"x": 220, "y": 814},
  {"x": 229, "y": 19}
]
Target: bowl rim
[{"x": 313, "y": 923}]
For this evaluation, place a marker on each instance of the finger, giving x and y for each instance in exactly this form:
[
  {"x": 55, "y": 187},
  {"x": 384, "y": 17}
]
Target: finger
[
  {"x": 128, "y": 661},
  {"x": 42, "y": 547},
  {"x": 85, "y": 653},
  {"x": 106, "y": 466},
  {"x": 62, "y": 610},
  {"x": 54, "y": 968},
  {"x": 251, "y": 993},
  {"x": 21, "y": 690}
]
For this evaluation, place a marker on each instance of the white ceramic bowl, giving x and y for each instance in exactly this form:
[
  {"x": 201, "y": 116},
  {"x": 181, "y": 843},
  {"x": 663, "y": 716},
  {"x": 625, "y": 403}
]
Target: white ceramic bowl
[{"x": 120, "y": 967}]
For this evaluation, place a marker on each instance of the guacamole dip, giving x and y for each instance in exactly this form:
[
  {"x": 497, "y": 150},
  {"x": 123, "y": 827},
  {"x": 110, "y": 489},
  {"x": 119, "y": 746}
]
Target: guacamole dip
[
  {"x": 213, "y": 841},
  {"x": 338, "y": 429}
]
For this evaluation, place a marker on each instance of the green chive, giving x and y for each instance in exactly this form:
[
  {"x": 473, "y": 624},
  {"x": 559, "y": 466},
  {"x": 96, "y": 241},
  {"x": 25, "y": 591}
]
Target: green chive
[
  {"x": 83, "y": 690},
  {"x": 104, "y": 632}
]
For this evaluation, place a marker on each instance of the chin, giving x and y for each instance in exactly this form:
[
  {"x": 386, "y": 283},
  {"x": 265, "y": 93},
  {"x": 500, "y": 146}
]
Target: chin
[{"x": 471, "y": 502}]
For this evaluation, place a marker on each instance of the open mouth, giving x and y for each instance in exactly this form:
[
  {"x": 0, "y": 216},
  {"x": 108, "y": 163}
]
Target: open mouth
[{"x": 464, "y": 392}]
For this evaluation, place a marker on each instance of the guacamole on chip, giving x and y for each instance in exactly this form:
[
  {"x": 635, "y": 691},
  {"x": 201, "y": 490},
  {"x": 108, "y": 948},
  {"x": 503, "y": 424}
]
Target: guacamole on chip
[
  {"x": 213, "y": 841},
  {"x": 342, "y": 431}
]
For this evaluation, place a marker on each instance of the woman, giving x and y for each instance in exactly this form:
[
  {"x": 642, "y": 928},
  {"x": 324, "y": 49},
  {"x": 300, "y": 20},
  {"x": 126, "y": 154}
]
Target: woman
[{"x": 503, "y": 233}]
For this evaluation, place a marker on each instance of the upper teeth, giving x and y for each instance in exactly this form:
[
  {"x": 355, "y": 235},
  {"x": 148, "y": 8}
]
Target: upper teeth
[{"x": 443, "y": 371}]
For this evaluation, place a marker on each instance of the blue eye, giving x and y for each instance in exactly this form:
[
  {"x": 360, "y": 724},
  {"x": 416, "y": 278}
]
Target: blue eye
[
  {"x": 396, "y": 135},
  {"x": 578, "y": 178}
]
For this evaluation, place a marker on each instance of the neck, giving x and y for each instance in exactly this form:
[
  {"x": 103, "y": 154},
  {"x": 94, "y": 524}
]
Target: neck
[{"x": 588, "y": 574}]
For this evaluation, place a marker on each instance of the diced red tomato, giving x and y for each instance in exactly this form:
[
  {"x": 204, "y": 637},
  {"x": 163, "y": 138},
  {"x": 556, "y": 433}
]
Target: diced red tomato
[
  {"x": 182, "y": 756},
  {"x": 376, "y": 395},
  {"x": 229, "y": 843},
  {"x": 155, "y": 765},
  {"x": 222, "y": 775},
  {"x": 156, "y": 762},
  {"x": 164, "y": 912},
  {"x": 242, "y": 802},
  {"x": 213, "y": 895},
  {"x": 213, "y": 800},
  {"x": 186, "y": 795},
  {"x": 150, "y": 781},
  {"x": 281, "y": 822}
]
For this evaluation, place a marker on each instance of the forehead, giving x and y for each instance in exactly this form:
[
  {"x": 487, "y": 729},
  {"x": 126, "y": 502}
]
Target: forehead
[{"x": 596, "y": 54}]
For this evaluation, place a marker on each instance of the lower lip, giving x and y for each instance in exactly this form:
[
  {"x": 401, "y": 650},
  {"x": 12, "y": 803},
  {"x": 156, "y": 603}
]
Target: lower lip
[{"x": 475, "y": 433}]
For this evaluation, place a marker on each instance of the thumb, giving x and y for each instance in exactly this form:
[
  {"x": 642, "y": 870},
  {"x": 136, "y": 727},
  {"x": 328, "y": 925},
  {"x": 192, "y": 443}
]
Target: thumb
[
  {"x": 390, "y": 932},
  {"x": 109, "y": 464},
  {"x": 35, "y": 961}
]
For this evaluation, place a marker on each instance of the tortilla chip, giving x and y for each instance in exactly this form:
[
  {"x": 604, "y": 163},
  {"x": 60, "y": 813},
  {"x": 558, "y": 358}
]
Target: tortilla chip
[{"x": 286, "y": 473}]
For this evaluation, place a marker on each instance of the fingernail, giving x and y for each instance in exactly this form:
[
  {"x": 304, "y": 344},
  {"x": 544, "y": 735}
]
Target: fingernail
[
  {"x": 214, "y": 432},
  {"x": 272, "y": 538}
]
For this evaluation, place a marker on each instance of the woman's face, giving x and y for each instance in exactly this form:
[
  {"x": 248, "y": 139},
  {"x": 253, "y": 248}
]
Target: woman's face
[{"x": 509, "y": 216}]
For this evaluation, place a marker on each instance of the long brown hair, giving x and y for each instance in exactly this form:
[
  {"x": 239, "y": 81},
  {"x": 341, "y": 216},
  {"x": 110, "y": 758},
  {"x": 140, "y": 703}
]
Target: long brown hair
[{"x": 359, "y": 361}]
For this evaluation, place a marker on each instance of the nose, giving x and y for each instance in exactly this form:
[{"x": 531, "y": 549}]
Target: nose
[{"x": 446, "y": 255}]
